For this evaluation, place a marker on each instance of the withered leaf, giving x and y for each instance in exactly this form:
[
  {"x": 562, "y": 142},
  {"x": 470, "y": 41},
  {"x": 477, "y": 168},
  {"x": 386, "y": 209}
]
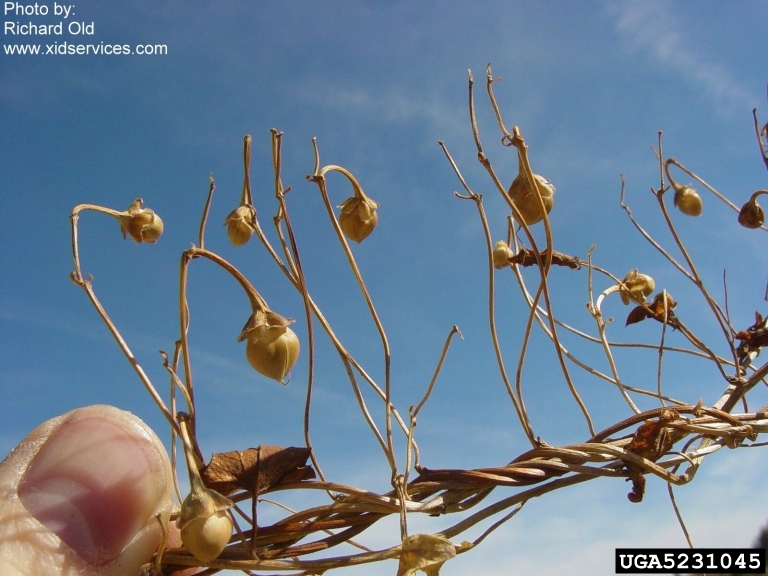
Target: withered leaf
[
  {"x": 656, "y": 311},
  {"x": 753, "y": 339},
  {"x": 651, "y": 441},
  {"x": 527, "y": 257},
  {"x": 256, "y": 469},
  {"x": 637, "y": 314}
]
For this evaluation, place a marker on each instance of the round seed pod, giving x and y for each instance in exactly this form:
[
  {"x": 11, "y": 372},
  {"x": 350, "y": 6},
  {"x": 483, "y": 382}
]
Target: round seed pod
[
  {"x": 240, "y": 223},
  {"x": 141, "y": 224},
  {"x": 751, "y": 214},
  {"x": 272, "y": 348},
  {"x": 501, "y": 255},
  {"x": 524, "y": 196},
  {"x": 205, "y": 523},
  {"x": 272, "y": 351},
  {"x": 637, "y": 287},
  {"x": 688, "y": 201},
  {"x": 358, "y": 217}
]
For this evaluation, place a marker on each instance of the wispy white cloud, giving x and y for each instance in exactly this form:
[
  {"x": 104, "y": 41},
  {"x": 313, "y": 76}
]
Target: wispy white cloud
[
  {"x": 653, "y": 28},
  {"x": 392, "y": 106}
]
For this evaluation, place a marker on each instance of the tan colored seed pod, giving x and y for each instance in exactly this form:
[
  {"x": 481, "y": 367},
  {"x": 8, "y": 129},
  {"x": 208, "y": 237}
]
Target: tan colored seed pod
[
  {"x": 240, "y": 224},
  {"x": 636, "y": 287},
  {"x": 524, "y": 196},
  {"x": 751, "y": 214},
  {"x": 358, "y": 217},
  {"x": 501, "y": 255},
  {"x": 205, "y": 523},
  {"x": 272, "y": 348},
  {"x": 425, "y": 553},
  {"x": 687, "y": 200},
  {"x": 141, "y": 224}
]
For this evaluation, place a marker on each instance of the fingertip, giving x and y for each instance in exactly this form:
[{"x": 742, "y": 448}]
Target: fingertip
[{"x": 92, "y": 480}]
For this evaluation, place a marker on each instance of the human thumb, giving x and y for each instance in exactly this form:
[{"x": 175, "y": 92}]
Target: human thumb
[{"x": 81, "y": 494}]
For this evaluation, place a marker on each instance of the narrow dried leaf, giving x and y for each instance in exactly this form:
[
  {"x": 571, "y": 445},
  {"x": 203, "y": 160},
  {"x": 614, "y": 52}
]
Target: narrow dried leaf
[
  {"x": 527, "y": 257},
  {"x": 424, "y": 552},
  {"x": 256, "y": 469}
]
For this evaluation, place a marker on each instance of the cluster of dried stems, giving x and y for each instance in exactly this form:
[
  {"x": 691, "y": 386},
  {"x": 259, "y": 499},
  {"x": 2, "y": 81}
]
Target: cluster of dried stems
[{"x": 639, "y": 445}]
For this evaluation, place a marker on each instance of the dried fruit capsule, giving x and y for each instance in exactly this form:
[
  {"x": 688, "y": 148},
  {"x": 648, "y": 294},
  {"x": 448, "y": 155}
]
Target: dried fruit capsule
[
  {"x": 687, "y": 200},
  {"x": 358, "y": 217},
  {"x": 272, "y": 348},
  {"x": 636, "y": 287},
  {"x": 240, "y": 224},
  {"x": 141, "y": 224},
  {"x": 501, "y": 254},
  {"x": 205, "y": 523},
  {"x": 751, "y": 214},
  {"x": 524, "y": 196}
]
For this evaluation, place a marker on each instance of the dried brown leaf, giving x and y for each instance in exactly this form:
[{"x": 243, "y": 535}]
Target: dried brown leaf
[
  {"x": 651, "y": 441},
  {"x": 256, "y": 469},
  {"x": 655, "y": 310},
  {"x": 527, "y": 257},
  {"x": 638, "y": 314}
]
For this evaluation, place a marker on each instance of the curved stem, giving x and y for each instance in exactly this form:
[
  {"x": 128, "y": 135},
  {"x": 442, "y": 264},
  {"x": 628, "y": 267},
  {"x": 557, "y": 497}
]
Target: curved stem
[
  {"x": 86, "y": 285},
  {"x": 320, "y": 180}
]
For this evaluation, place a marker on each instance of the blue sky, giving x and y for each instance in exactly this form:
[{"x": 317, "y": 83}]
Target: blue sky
[{"x": 379, "y": 83}]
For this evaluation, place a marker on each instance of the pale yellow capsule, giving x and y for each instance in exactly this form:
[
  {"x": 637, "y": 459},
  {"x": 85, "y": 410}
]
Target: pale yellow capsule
[
  {"x": 358, "y": 217},
  {"x": 501, "y": 255},
  {"x": 141, "y": 224},
  {"x": 205, "y": 523},
  {"x": 272, "y": 348},
  {"x": 636, "y": 287},
  {"x": 240, "y": 224},
  {"x": 524, "y": 196},
  {"x": 688, "y": 201}
]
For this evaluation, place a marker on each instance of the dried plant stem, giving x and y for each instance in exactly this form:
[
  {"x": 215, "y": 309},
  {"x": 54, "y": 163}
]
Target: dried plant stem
[
  {"x": 646, "y": 235},
  {"x": 688, "y": 334},
  {"x": 206, "y": 210},
  {"x": 301, "y": 285},
  {"x": 672, "y": 162},
  {"x": 759, "y": 139},
  {"x": 516, "y": 139},
  {"x": 86, "y": 284},
  {"x": 340, "y": 348},
  {"x": 320, "y": 180},
  {"x": 665, "y": 319},
  {"x": 257, "y": 303},
  {"x": 174, "y": 437},
  {"x": 695, "y": 276},
  {"x": 679, "y": 515},
  {"x": 583, "y": 365},
  {"x": 414, "y": 412},
  {"x": 516, "y": 402},
  {"x": 596, "y": 311}
]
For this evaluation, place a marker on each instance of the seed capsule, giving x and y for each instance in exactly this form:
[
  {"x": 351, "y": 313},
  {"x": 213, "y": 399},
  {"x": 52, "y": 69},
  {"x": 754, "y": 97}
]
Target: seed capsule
[
  {"x": 524, "y": 196},
  {"x": 240, "y": 224},
  {"x": 142, "y": 224},
  {"x": 358, "y": 217},
  {"x": 205, "y": 523},
  {"x": 501, "y": 255},
  {"x": 272, "y": 348},
  {"x": 688, "y": 200},
  {"x": 751, "y": 214},
  {"x": 636, "y": 287}
]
